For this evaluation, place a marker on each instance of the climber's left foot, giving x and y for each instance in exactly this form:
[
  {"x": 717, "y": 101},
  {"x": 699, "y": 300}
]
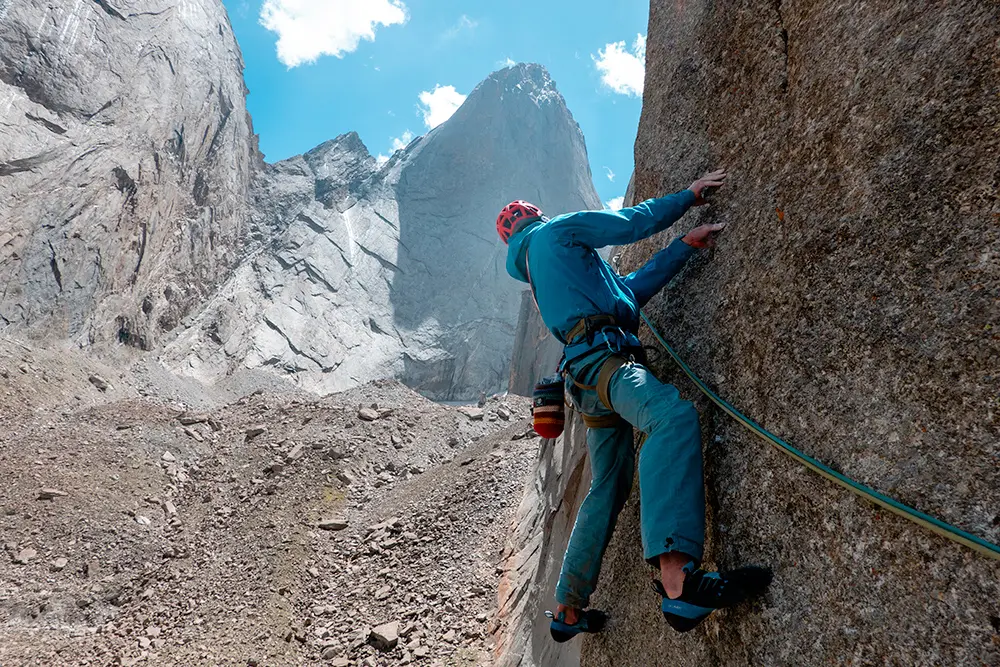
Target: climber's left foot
[{"x": 591, "y": 620}]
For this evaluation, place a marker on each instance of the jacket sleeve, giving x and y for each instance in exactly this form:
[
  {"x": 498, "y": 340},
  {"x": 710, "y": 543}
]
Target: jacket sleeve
[
  {"x": 597, "y": 229},
  {"x": 654, "y": 275}
]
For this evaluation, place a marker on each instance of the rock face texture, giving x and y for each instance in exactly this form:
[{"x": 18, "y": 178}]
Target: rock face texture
[
  {"x": 531, "y": 562},
  {"x": 396, "y": 271},
  {"x": 126, "y": 158},
  {"x": 850, "y": 307}
]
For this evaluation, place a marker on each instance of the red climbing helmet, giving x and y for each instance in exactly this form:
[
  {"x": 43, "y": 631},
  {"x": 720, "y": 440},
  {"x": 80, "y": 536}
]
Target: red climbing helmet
[{"x": 513, "y": 213}]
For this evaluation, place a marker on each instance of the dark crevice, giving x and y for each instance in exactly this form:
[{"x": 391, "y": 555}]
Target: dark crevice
[
  {"x": 315, "y": 276},
  {"x": 385, "y": 219},
  {"x": 176, "y": 144},
  {"x": 297, "y": 351},
  {"x": 127, "y": 336},
  {"x": 91, "y": 151},
  {"x": 143, "y": 232},
  {"x": 285, "y": 264},
  {"x": 24, "y": 164},
  {"x": 109, "y": 10},
  {"x": 159, "y": 13},
  {"x": 49, "y": 125},
  {"x": 784, "y": 46},
  {"x": 386, "y": 264},
  {"x": 54, "y": 264},
  {"x": 200, "y": 191},
  {"x": 313, "y": 225},
  {"x": 73, "y": 216},
  {"x": 126, "y": 186},
  {"x": 316, "y": 227},
  {"x": 204, "y": 135},
  {"x": 104, "y": 107},
  {"x": 227, "y": 110},
  {"x": 375, "y": 327}
]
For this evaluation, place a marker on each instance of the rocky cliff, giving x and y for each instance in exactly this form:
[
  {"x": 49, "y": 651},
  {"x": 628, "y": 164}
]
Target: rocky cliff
[
  {"x": 132, "y": 194},
  {"x": 396, "y": 271},
  {"x": 125, "y": 158},
  {"x": 536, "y": 352},
  {"x": 851, "y": 307}
]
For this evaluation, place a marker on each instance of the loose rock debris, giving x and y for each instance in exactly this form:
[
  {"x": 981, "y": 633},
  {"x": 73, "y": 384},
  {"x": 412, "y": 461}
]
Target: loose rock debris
[{"x": 297, "y": 530}]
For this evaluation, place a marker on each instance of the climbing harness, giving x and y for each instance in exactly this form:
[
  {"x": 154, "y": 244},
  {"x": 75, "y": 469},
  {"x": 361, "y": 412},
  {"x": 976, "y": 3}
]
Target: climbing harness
[
  {"x": 588, "y": 327},
  {"x": 936, "y": 525},
  {"x": 548, "y": 414}
]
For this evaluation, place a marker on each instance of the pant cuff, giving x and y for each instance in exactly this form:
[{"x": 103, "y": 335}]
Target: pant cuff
[
  {"x": 570, "y": 599},
  {"x": 674, "y": 543}
]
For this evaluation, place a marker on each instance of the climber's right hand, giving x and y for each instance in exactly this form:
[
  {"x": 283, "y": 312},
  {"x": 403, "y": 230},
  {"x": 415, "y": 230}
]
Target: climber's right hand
[{"x": 713, "y": 179}]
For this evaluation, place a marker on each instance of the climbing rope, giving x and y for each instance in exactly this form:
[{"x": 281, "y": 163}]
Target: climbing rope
[{"x": 940, "y": 527}]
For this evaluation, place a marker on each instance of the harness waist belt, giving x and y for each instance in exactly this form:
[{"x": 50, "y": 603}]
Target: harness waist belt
[{"x": 588, "y": 324}]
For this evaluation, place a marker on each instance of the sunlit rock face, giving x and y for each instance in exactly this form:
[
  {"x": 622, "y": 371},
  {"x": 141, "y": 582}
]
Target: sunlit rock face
[
  {"x": 136, "y": 209},
  {"x": 850, "y": 307},
  {"x": 396, "y": 270},
  {"x": 126, "y": 155}
]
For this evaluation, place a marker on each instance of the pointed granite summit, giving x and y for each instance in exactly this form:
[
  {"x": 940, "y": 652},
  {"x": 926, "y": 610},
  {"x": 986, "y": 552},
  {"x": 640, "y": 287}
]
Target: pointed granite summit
[{"x": 396, "y": 271}]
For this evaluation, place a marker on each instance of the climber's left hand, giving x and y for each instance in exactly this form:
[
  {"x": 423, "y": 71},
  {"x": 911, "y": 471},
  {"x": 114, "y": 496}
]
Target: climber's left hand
[{"x": 704, "y": 236}]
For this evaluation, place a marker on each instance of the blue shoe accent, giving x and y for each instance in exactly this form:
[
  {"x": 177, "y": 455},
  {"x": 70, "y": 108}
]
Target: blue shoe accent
[
  {"x": 704, "y": 592},
  {"x": 591, "y": 620},
  {"x": 684, "y": 609}
]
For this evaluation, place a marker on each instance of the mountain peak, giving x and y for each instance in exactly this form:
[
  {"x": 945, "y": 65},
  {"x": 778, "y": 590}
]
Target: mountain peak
[
  {"x": 349, "y": 142},
  {"x": 343, "y": 159},
  {"x": 530, "y": 80}
]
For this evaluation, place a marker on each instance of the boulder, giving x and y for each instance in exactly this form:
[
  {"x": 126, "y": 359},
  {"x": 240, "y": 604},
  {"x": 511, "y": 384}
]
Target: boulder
[{"x": 385, "y": 636}]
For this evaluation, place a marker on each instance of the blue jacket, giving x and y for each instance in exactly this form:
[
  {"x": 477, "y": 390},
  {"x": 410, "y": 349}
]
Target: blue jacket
[{"x": 572, "y": 281}]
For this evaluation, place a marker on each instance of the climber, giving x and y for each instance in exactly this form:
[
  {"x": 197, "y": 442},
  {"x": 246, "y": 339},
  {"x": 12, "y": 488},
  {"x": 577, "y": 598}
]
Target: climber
[{"x": 594, "y": 313}]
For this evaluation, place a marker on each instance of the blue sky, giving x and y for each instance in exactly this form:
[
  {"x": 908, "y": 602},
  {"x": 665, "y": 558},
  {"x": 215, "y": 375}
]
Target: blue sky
[{"x": 314, "y": 73}]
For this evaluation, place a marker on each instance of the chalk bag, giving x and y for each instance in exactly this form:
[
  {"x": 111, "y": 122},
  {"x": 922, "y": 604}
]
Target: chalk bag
[{"x": 548, "y": 407}]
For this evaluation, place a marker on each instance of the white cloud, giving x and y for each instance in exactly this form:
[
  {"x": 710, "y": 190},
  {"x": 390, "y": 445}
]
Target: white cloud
[
  {"x": 623, "y": 70},
  {"x": 399, "y": 143},
  {"x": 464, "y": 23},
  {"x": 610, "y": 174},
  {"x": 615, "y": 204},
  {"x": 308, "y": 29},
  {"x": 439, "y": 104},
  {"x": 507, "y": 62}
]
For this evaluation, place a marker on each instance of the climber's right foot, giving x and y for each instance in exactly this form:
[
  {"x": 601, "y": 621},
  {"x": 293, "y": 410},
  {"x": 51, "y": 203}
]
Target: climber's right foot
[
  {"x": 704, "y": 592},
  {"x": 592, "y": 620}
]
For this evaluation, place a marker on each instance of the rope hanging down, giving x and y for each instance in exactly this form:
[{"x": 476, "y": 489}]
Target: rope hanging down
[{"x": 936, "y": 525}]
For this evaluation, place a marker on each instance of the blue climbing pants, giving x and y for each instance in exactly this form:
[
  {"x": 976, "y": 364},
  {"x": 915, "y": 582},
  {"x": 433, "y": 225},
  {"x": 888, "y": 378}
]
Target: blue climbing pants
[{"x": 671, "y": 488}]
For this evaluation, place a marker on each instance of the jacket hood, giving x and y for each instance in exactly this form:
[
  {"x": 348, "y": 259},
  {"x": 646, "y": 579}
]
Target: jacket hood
[{"x": 517, "y": 249}]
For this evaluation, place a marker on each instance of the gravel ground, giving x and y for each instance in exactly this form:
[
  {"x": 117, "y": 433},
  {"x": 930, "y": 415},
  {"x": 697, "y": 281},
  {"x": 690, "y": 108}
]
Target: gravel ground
[{"x": 363, "y": 528}]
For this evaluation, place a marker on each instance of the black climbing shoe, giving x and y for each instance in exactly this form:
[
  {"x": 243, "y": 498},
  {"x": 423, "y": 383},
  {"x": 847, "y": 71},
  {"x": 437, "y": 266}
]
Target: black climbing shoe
[
  {"x": 592, "y": 620},
  {"x": 704, "y": 592}
]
